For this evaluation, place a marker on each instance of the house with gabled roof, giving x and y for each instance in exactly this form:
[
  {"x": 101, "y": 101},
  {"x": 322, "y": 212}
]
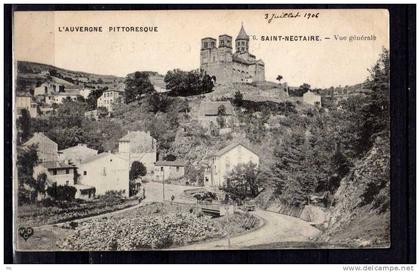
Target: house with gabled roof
[
  {"x": 47, "y": 149},
  {"x": 76, "y": 154},
  {"x": 219, "y": 164},
  {"x": 59, "y": 173},
  {"x": 169, "y": 170}
]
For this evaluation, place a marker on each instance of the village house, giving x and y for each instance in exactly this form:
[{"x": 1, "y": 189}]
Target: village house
[
  {"x": 60, "y": 97},
  {"x": 48, "y": 88},
  {"x": 169, "y": 170},
  {"x": 210, "y": 110},
  {"x": 47, "y": 149},
  {"x": 57, "y": 172},
  {"x": 106, "y": 172},
  {"x": 139, "y": 146},
  {"x": 26, "y": 102},
  {"x": 108, "y": 98},
  {"x": 76, "y": 154},
  {"x": 93, "y": 115},
  {"x": 223, "y": 161},
  {"x": 312, "y": 98}
]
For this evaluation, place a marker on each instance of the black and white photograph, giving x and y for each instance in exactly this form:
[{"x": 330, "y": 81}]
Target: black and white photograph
[{"x": 191, "y": 130}]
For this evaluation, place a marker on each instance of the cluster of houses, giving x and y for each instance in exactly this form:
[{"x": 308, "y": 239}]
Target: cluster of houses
[
  {"x": 93, "y": 173},
  {"x": 47, "y": 94}
]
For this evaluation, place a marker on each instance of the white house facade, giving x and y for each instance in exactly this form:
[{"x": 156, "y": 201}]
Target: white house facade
[
  {"x": 169, "y": 170},
  {"x": 108, "y": 98},
  {"x": 25, "y": 102},
  {"x": 222, "y": 162},
  {"x": 105, "y": 172},
  {"x": 59, "y": 173}
]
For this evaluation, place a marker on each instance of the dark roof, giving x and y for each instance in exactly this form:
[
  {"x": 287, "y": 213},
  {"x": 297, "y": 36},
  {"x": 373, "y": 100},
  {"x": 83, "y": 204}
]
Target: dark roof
[
  {"x": 242, "y": 34},
  {"x": 171, "y": 163},
  {"x": 211, "y": 108},
  {"x": 225, "y": 35},
  {"x": 230, "y": 147},
  {"x": 208, "y": 38},
  {"x": 56, "y": 165}
]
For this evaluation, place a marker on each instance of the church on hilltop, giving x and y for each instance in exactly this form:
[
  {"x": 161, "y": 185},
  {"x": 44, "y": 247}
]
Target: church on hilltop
[{"x": 228, "y": 67}]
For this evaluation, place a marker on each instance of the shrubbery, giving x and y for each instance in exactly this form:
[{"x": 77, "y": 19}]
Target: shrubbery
[{"x": 62, "y": 192}]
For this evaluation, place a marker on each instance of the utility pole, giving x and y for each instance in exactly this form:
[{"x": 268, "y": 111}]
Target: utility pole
[
  {"x": 228, "y": 226},
  {"x": 163, "y": 185}
]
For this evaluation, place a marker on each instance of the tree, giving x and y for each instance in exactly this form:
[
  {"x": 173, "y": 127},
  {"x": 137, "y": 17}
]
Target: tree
[
  {"x": 40, "y": 185},
  {"x": 27, "y": 158},
  {"x": 279, "y": 78},
  {"x": 221, "y": 110},
  {"x": 238, "y": 99},
  {"x": 137, "y": 86},
  {"x": 137, "y": 170},
  {"x": 242, "y": 181},
  {"x": 62, "y": 192},
  {"x": 53, "y": 72},
  {"x": 305, "y": 87},
  {"x": 93, "y": 98},
  {"x": 183, "y": 83},
  {"x": 24, "y": 125}
]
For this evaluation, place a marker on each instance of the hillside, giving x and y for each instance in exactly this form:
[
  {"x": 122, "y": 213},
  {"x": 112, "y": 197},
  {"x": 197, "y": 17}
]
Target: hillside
[
  {"x": 155, "y": 78},
  {"x": 361, "y": 215},
  {"x": 32, "y": 74}
]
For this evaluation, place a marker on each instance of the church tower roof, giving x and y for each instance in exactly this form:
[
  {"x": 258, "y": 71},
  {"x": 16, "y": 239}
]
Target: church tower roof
[{"x": 242, "y": 34}]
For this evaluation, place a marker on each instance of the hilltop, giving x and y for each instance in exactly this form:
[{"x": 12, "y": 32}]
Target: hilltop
[{"x": 32, "y": 74}]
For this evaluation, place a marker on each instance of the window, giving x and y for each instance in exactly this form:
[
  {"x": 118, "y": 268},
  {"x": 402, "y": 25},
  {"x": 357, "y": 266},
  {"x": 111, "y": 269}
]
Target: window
[
  {"x": 67, "y": 171},
  {"x": 54, "y": 172},
  {"x": 67, "y": 183},
  {"x": 177, "y": 168},
  {"x": 84, "y": 173},
  {"x": 205, "y": 44},
  {"x": 161, "y": 168}
]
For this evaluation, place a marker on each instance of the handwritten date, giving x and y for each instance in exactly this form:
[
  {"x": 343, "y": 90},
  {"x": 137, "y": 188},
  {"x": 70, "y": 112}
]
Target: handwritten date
[{"x": 270, "y": 17}]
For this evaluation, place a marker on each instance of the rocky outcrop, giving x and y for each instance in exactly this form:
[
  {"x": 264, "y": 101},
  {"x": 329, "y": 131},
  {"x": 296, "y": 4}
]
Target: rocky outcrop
[{"x": 360, "y": 214}]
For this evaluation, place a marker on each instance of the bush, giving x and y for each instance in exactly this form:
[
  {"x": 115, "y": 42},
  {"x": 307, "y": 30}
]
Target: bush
[{"x": 62, "y": 192}]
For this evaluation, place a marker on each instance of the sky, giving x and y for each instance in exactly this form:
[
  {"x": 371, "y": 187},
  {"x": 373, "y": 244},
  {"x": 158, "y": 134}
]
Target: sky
[{"x": 36, "y": 37}]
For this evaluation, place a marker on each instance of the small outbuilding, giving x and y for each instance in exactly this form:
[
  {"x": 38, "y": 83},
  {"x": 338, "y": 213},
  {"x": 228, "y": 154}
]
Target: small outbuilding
[{"x": 167, "y": 170}]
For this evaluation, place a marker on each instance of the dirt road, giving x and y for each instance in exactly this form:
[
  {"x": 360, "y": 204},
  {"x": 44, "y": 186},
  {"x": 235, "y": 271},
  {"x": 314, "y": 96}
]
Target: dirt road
[
  {"x": 277, "y": 228},
  {"x": 154, "y": 192}
]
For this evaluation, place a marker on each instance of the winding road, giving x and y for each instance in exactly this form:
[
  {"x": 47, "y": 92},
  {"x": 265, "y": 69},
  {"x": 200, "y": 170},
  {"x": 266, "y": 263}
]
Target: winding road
[{"x": 277, "y": 228}]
